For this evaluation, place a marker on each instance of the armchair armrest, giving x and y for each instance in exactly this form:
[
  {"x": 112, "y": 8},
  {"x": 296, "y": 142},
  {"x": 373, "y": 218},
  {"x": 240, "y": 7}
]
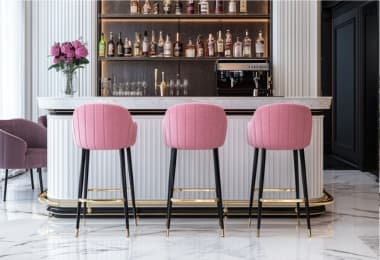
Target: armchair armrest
[{"x": 12, "y": 150}]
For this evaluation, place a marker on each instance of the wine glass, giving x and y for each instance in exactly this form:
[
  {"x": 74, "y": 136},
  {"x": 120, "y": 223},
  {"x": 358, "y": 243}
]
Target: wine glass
[
  {"x": 171, "y": 87},
  {"x": 144, "y": 86},
  {"x": 185, "y": 87}
]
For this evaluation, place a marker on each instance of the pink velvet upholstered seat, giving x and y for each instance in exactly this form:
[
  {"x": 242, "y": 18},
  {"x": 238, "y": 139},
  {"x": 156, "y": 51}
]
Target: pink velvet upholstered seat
[
  {"x": 195, "y": 126},
  {"x": 103, "y": 127},
  {"x": 280, "y": 127}
]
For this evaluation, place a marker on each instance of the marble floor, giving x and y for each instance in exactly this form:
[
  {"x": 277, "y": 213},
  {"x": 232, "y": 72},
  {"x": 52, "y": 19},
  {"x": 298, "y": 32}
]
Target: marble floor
[{"x": 348, "y": 230}]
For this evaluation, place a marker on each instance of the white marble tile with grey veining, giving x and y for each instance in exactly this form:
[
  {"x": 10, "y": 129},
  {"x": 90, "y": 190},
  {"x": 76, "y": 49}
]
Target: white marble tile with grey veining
[{"x": 348, "y": 230}]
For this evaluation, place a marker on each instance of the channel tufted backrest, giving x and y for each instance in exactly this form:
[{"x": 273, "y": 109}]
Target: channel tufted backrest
[
  {"x": 280, "y": 127},
  {"x": 103, "y": 127},
  {"x": 195, "y": 126}
]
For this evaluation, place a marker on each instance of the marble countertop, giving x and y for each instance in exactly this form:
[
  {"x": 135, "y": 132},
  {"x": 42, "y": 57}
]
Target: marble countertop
[{"x": 160, "y": 103}]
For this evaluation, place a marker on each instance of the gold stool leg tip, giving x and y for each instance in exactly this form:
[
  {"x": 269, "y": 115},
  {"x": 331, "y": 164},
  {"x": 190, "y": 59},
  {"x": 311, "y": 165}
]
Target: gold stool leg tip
[
  {"x": 309, "y": 232},
  {"x": 167, "y": 232},
  {"x": 77, "y": 233},
  {"x": 222, "y": 232}
]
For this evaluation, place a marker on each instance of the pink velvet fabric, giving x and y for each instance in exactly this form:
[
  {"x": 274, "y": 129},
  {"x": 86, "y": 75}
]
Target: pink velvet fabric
[
  {"x": 280, "y": 127},
  {"x": 103, "y": 127},
  {"x": 195, "y": 126}
]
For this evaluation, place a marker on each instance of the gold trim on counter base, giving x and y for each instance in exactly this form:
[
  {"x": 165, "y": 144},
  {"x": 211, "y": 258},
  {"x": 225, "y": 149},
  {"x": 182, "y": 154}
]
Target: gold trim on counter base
[
  {"x": 282, "y": 201},
  {"x": 103, "y": 190},
  {"x": 192, "y": 202},
  {"x": 194, "y": 190}
]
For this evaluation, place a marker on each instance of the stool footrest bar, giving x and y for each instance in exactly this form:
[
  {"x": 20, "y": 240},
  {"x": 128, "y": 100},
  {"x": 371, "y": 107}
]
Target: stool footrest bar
[
  {"x": 282, "y": 200},
  {"x": 192, "y": 201},
  {"x": 277, "y": 190},
  {"x": 102, "y": 202},
  {"x": 194, "y": 190}
]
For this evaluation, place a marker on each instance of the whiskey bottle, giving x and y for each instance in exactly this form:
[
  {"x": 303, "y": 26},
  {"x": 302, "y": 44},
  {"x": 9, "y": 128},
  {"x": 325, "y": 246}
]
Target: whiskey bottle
[
  {"x": 147, "y": 7},
  {"x": 190, "y": 49},
  {"x": 137, "y": 45},
  {"x": 238, "y": 45},
  {"x": 178, "y": 7},
  {"x": 134, "y": 8},
  {"x": 232, "y": 7},
  {"x": 127, "y": 48},
  {"x": 259, "y": 46},
  {"x": 160, "y": 49},
  {"x": 102, "y": 46},
  {"x": 200, "y": 51},
  {"x": 177, "y": 47},
  {"x": 168, "y": 47},
  {"x": 111, "y": 46},
  {"x": 247, "y": 45},
  {"x": 203, "y": 7},
  {"x": 145, "y": 45},
  {"x": 210, "y": 46},
  {"x": 119, "y": 46},
  {"x": 243, "y": 6},
  {"x": 163, "y": 85},
  {"x": 153, "y": 46},
  {"x": 219, "y": 8},
  {"x": 190, "y": 7},
  {"x": 228, "y": 44},
  {"x": 220, "y": 45},
  {"x": 156, "y": 8},
  {"x": 167, "y": 5}
]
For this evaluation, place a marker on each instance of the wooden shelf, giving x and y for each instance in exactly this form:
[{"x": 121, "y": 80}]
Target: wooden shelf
[
  {"x": 195, "y": 17},
  {"x": 174, "y": 59}
]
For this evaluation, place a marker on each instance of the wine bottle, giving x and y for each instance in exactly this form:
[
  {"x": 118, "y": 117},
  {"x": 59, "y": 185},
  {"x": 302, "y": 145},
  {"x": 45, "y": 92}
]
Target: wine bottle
[
  {"x": 199, "y": 47},
  {"x": 134, "y": 8},
  {"x": 168, "y": 47},
  {"x": 210, "y": 46},
  {"x": 178, "y": 7},
  {"x": 190, "y": 7},
  {"x": 190, "y": 49},
  {"x": 156, "y": 8},
  {"x": 220, "y": 45},
  {"x": 163, "y": 85},
  {"x": 102, "y": 46},
  {"x": 259, "y": 46},
  {"x": 147, "y": 7},
  {"x": 119, "y": 46},
  {"x": 247, "y": 45},
  {"x": 137, "y": 45},
  {"x": 219, "y": 8},
  {"x": 232, "y": 7},
  {"x": 161, "y": 43},
  {"x": 153, "y": 46},
  {"x": 145, "y": 45},
  {"x": 238, "y": 48},
  {"x": 127, "y": 47},
  {"x": 203, "y": 7},
  {"x": 228, "y": 44},
  {"x": 243, "y": 6},
  {"x": 111, "y": 46},
  {"x": 177, "y": 46}
]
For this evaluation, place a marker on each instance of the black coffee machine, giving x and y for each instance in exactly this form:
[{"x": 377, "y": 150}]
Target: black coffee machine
[{"x": 243, "y": 77}]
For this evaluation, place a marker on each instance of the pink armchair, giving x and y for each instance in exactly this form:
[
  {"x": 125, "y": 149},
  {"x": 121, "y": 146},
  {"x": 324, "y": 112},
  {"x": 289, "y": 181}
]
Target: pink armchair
[{"x": 22, "y": 145}]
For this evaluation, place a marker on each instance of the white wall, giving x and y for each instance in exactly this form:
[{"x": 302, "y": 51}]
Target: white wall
[{"x": 296, "y": 45}]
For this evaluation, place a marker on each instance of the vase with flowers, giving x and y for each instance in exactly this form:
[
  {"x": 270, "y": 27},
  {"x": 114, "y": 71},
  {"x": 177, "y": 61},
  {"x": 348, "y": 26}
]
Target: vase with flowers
[{"x": 68, "y": 57}]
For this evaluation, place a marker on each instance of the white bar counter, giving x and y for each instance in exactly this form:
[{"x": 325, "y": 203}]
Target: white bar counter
[{"x": 150, "y": 156}]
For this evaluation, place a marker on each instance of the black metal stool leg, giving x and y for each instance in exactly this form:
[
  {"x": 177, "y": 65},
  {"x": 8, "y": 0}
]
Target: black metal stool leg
[
  {"x": 40, "y": 179},
  {"x": 173, "y": 161},
  {"x": 296, "y": 180},
  {"x": 218, "y": 188},
  {"x": 306, "y": 195},
  {"x": 261, "y": 188},
  {"x": 85, "y": 185},
  {"x": 125, "y": 193},
  {"x": 31, "y": 178},
  {"x": 254, "y": 171},
  {"x": 131, "y": 183},
  {"x": 5, "y": 185},
  {"x": 80, "y": 189}
]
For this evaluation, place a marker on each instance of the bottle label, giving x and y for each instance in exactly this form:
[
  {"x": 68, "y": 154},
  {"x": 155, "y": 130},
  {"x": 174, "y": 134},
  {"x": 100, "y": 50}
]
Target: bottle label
[
  {"x": 145, "y": 47},
  {"x": 110, "y": 50},
  {"x": 211, "y": 50},
  {"x": 260, "y": 48},
  {"x": 243, "y": 6},
  {"x": 200, "y": 52},
  {"x": 102, "y": 50},
  {"x": 220, "y": 47},
  {"x": 204, "y": 7},
  {"x": 227, "y": 52},
  {"x": 232, "y": 7},
  {"x": 190, "y": 53},
  {"x": 120, "y": 50},
  {"x": 134, "y": 8}
]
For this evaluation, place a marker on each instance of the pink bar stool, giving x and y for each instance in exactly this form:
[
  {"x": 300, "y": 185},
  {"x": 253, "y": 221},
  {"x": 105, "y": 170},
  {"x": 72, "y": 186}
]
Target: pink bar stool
[
  {"x": 195, "y": 126},
  {"x": 104, "y": 127},
  {"x": 280, "y": 127}
]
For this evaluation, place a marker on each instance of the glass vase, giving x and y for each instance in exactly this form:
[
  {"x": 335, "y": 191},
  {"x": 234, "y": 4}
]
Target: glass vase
[{"x": 69, "y": 85}]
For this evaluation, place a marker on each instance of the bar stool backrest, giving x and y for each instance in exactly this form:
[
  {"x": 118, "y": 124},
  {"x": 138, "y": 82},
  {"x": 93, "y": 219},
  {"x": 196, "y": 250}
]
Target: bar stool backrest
[
  {"x": 195, "y": 126},
  {"x": 280, "y": 127},
  {"x": 103, "y": 127}
]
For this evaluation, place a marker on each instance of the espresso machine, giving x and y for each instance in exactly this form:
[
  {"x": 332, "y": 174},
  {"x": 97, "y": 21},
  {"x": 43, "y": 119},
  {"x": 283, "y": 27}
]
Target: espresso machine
[{"x": 244, "y": 77}]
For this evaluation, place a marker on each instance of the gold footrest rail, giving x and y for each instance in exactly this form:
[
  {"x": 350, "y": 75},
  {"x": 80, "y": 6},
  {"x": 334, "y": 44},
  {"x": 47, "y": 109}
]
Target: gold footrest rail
[
  {"x": 103, "y": 190},
  {"x": 103, "y": 202},
  {"x": 194, "y": 190},
  {"x": 277, "y": 190},
  {"x": 194, "y": 201},
  {"x": 282, "y": 200}
]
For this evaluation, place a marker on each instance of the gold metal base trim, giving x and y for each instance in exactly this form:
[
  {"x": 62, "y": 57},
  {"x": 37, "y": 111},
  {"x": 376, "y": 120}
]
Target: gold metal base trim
[
  {"x": 277, "y": 190},
  {"x": 104, "y": 190},
  {"x": 194, "y": 190},
  {"x": 194, "y": 201},
  {"x": 103, "y": 202},
  {"x": 282, "y": 200}
]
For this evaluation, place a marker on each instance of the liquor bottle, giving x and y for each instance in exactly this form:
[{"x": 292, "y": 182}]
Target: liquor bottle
[
  {"x": 247, "y": 45},
  {"x": 167, "y": 6},
  {"x": 119, "y": 46},
  {"x": 219, "y": 8},
  {"x": 145, "y": 45},
  {"x": 243, "y": 6},
  {"x": 160, "y": 49},
  {"x": 232, "y": 7},
  {"x": 111, "y": 46},
  {"x": 220, "y": 45},
  {"x": 178, "y": 7},
  {"x": 199, "y": 47},
  {"x": 163, "y": 85},
  {"x": 102, "y": 46},
  {"x": 156, "y": 8},
  {"x": 228, "y": 44},
  {"x": 177, "y": 47},
  {"x": 147, "y": 7},
  {"x": 137, "y": 45},
  {"x": 238, "y": 48},
  {"x": 210, "y": 46},
  {"x": 127, "y": 48},
  {"x": 153, "y": 46},
  {"x": 190, "y": 49},
  {"x": 203, "y": 7},
  {"x": 190, "y": 7},
  {"x": 134, "y": 7},
  {"x": 259, "y": 46},
  {"x": 168, "y": 47}
]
